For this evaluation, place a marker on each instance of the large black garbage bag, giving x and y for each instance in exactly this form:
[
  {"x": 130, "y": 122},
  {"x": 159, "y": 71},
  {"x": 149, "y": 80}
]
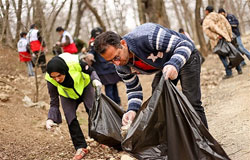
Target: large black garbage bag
[
  {"x": 235, "y": 57},
  {"x": 221, "y": 48},
  {"x": 105, "y": 121},
  {"x": 169, "y": 128},
  {"x": 227, "y": 49}
]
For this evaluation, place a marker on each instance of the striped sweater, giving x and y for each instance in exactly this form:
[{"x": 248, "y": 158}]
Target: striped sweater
[{"x": 156, "y": 46}]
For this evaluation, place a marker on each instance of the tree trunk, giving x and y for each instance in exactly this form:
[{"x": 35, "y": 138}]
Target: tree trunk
[
  {"x": 80, "y": 10},
  {"x": 106, "y": 13},
  {"x": 5, "y": 12},
  {"x": 28, "y": 21},
  {"x": 94, "y": 11},
  {"x": 191, "y": 22},
  {"x": 69, "y": 15},
  {"x": 19, "y": 22},
  {"x": 178, "y": 14},
  {"x": 141, "y": 11},
  {"x": 202, "y": 42},
  {"x": 154, "y": 11}
]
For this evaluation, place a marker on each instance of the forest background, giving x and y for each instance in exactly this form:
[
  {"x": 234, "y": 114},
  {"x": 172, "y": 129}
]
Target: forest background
[{"x": 79, "y": 17}]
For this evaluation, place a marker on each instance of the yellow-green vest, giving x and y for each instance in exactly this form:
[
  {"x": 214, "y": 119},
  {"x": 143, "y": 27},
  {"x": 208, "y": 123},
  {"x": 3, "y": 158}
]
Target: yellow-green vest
[{"x": 81, "y": 80}]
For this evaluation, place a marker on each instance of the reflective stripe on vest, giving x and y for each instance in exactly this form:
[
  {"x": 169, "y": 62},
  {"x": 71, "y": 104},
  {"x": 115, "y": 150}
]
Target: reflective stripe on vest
[{"x": 81, "y": 80}]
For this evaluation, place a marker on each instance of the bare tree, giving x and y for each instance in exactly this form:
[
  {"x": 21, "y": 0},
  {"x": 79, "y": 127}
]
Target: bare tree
[
  {"x": 18, "y": 15},
  {"x": 188, "y": 15},
  {"x": 222, "y": 2},
  {"x": 94, "y": 11},
  {"x": 200, "y": 35},
  {"x": 28, "y": 19},
  {"x": 211, "y": 2},
  {"x": 106, "y": 13},
  {"x": 153, "y": 11},
  {"x": 69, "y": 15},
  {"x": 6, "y": 36},
  {"x": 177, "y": 13},
  {"x": 80, "y": 10}
]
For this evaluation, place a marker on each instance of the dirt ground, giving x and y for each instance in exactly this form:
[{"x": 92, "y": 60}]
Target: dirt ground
[{"x": 23, "y": 135}]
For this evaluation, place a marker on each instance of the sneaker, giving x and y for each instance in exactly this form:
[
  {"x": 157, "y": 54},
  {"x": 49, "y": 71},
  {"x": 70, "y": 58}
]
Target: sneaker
[
  {"x": 227, "y": 76},
  {"x": 243, "y": 65},
  {"x": 239, "y": 72},
  {"x": 80, "y": 153}
]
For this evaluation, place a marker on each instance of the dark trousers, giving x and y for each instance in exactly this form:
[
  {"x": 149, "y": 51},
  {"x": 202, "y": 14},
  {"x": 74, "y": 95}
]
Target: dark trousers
[
  {"x": 189, "y": 76},
  {"x": 112, "y": 92},
  {"x": 41, "y": 60},
  {"x": 69, "y": 107},
  {"x": 77, "y": 135}
]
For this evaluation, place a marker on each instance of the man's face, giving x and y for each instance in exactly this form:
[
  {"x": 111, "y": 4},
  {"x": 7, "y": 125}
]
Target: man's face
[
  {"x": 223, "y": 13},
  {"x": 117, "y": 56},
  {"x": 206, "y": 12},
  {"x": 60, "y": 33}
]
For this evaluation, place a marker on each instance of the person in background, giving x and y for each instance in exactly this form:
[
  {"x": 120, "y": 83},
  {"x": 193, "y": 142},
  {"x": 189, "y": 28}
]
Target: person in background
[
  {"x": 216, "y": 27},
  {"x": 73, "y": 81},
  {"x": 181, "y": 30},
  {"x": 151, "y": 48},
  {"x": 66, "y": 41},
  {"x": 105, "y": 70},
  {"x": 235, "y": 28},
  {"x": 36, "y": 45},
  {"x": 24, "y": 54}
]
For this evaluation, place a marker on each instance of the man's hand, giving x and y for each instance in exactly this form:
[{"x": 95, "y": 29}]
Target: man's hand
[
  {"x": 50, "y": 124},
  {"x": 58, "y": 43},
  {"x": 128, "y": 117},
  {"x": 169, "y": 71}
]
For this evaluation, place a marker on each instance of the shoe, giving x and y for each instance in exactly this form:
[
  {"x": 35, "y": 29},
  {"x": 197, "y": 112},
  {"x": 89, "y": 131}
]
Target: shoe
[
  {"x": 80, "y": 153},
  {"x": 239, "y": 72},
  {"x": 243, "y": 64},
  {"x": 227, "y": 76}
]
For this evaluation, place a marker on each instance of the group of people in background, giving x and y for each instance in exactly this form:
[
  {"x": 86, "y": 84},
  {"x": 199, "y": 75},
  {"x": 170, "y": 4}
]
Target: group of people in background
[
  {"x": 31, "y": 49},
  {"x": 222, "y": 25},
  {"x": 149, "y": 49}
]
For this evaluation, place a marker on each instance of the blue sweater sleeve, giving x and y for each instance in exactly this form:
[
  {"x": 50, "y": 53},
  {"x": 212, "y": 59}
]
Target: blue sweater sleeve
[{"x": 133, "y": 85}]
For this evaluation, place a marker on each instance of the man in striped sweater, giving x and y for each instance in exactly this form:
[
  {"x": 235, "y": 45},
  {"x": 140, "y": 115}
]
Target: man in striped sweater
[{"x": 148, "y": 49}]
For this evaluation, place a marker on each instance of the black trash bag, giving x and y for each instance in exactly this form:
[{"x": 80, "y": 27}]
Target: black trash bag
[
  {"x": 235, "y": 57},
  {"x": 221, "y": 48},
  {"x": 105, "y": 121},
  {"x": 169, "y": 128}
]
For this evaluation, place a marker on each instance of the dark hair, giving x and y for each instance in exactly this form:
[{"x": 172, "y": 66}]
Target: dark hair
[
  {"x": 221, "y": 10},
  {"x": 210, "y": 9},
  {"x": 22, "y": 34},
  {"x": 105, "y": 39},
  {"x": 59, "y": 29},
  {"x": 96, "y": 31},
  {"x": 32, "y": 26},
  {"x": 181, "y": 30}
]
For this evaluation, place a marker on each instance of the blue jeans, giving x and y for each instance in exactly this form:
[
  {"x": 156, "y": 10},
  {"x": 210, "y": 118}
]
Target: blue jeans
[
  {"x": 112, "y": 92},
  {"x": 30, "y": 68},
  {"x": 225, "y": 63},
  {"x": 242, "y": 48}
]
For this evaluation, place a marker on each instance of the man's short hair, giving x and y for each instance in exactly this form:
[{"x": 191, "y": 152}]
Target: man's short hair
[
  {"x": 106, "y": 39},
  {"x": 181, "y": 30},
  {"x": 96, "y": 31},
  {"x": 32, "y": 26},
  {"x": 221, "y": 10},
  {"x": 210, "y": 9},
  {"x": 22, "y": 34},
  {"x": 59, "y": 29}
]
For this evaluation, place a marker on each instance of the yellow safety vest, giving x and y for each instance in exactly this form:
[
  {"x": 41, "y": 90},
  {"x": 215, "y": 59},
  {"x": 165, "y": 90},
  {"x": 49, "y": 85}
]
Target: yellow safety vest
[{"x": 81, "y": 80}]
